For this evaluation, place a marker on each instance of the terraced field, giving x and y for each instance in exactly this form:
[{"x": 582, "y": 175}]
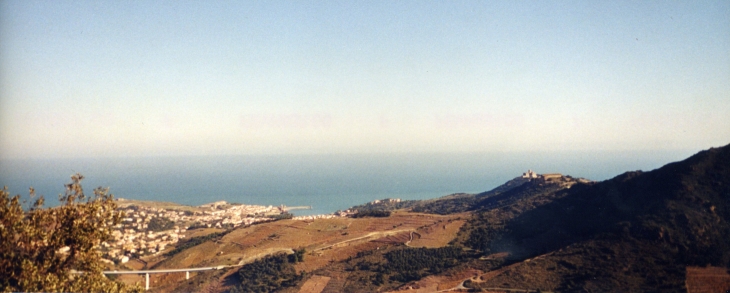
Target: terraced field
[
  {"x": 326, "y": 241},
  {"x": 707, "y": 279}
]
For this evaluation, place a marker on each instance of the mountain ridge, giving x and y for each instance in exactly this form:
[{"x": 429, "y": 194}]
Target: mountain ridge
[
  {"x": 676, "y": 215},
  {"x": 638, "y": 231}
]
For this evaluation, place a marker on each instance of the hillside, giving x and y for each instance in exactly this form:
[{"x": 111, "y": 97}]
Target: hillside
[
  {"x": 636, "y": 232},
  {"x": 640, "y": 231},
  {"x": 450, "y": 204},
  {"x": 323, "y": 244}
]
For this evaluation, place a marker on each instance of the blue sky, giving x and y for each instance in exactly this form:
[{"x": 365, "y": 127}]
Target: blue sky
[{"x": 148, "y": 78}]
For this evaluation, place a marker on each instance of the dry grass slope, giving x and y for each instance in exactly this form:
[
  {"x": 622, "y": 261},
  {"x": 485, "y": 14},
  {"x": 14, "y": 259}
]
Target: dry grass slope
[{"x": 326, "y": 241}]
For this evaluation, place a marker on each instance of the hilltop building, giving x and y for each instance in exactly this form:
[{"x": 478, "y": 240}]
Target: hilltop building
[
  {"x": 530, "y": 175},
  {"x": 385, "y": 201},
  {"x": 546, "y": 177},
  {"x": 552, "y": 176}
]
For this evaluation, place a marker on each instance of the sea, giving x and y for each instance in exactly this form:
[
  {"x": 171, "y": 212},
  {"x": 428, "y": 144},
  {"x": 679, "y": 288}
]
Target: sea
[{"x": 326, "y": 182}]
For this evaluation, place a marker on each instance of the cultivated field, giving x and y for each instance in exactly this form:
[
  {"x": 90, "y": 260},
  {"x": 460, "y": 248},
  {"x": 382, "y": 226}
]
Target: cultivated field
[
  {"x": 315, "y": 284},
  {"x": 707, "y": 280},
  {"x": 325, "y": 240}
]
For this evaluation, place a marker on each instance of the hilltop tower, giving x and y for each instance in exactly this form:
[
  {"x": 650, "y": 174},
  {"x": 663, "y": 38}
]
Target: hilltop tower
[{"x": 529, "y": 174}]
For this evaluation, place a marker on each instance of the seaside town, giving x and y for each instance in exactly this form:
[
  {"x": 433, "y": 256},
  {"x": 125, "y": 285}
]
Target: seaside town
[{"x": 148, "y": 230}]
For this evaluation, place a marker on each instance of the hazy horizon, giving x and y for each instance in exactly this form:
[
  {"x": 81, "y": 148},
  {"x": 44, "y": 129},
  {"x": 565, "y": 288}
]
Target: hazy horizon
[
  {"x": 679, "y": 153},
  {"x": 328, "y": 181},
  {"x": 184, "y": 78}
]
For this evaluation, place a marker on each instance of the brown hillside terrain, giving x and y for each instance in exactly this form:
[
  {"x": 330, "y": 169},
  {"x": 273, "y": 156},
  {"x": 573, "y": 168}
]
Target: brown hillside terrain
[
  {"x": 326, "y": 241},
  {"x": 708, "y": 280},
  {"x": 450, "y": 281},
  {"x": 635, "y": 232},
  {"x": 662, "y": 230},
  {"x": 315, "y": 284}
]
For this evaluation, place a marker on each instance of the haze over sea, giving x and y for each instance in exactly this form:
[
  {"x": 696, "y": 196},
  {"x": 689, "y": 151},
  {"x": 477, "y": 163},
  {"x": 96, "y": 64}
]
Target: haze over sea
[{"x": 325, "y": 182}]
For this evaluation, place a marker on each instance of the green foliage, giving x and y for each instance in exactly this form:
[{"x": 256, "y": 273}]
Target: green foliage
[
  {"x": 388, "y": 268},
  {"x": 364, "y": 253},
  {"x": 160, "y": 224},
  {"x": 373, "y": 213},
  {"x": 414, "y": 263},
  {"x": 494, "y": 209},
  {"x": 479, "y": 239},
  {"x": 269, "y": 274},
  {"x": 297, "y": 256},
  {"x": 32, "y": 243},
  {"x": 282, "y": 216},
  {"x": 462, "y": 202},
  {"x": 197, "y": 225},
  {"x": 386, "y": 205},
  {"x": 635, "y": 232},
  {"x": 447, "y": 206},
  {"x": 195, "y": 241}
]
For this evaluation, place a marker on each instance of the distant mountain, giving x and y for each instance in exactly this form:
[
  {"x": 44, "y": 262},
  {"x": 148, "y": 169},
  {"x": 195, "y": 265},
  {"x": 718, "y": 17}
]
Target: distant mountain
[
  {"x": 509, "y": 193},
  {"x": 461, "y": 202},
  {"x": 635, "y": 232}
]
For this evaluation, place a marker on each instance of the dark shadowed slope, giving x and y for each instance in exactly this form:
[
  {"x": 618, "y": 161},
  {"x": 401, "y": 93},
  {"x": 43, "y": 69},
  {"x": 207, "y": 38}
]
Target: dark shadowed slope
[
  {"x": 457, "y": 203},
  {"x": 635, "y": 232}
]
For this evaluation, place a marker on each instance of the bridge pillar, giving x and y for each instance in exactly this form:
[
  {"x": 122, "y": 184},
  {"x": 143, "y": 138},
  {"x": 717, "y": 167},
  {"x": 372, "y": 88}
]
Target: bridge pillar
[
  {"x": 187, "y": 275},
  {"x": 146, "y": 281}
]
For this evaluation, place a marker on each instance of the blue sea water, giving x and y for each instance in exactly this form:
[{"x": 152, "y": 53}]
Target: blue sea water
[{"x": 326, "y": 182}]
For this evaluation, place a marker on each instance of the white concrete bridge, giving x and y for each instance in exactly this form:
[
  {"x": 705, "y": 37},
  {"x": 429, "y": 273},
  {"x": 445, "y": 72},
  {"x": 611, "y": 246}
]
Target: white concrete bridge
[{"x": 163, "y": 271}]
